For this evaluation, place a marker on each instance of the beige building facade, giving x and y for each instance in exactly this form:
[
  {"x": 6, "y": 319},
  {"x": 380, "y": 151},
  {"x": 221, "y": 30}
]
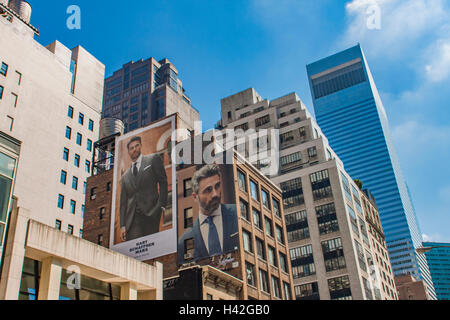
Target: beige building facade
[
  {"x": 51, "y": 102},
  {"x": 329, "y": 247}
]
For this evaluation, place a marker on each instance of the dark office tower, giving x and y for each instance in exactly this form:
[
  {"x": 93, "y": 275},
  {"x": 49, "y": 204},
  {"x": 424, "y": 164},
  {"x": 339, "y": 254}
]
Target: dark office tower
[
  {"x": 145, "y": 91},
  {"x": 350, "y": 112}
]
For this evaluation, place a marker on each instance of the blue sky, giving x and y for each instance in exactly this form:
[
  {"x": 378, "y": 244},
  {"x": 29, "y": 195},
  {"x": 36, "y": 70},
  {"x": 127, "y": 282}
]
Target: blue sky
[{"x": 222, "y": 47}]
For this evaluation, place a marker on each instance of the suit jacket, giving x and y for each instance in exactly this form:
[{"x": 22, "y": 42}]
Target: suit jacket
[
  {"x": 230, "y": 235},
  {"x": 139, "y": 195}
]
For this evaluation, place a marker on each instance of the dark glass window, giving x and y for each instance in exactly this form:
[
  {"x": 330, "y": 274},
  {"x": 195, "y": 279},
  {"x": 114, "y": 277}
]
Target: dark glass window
[
  {"x": 276, "y": 288},
  {"x": 102, "y": 212},
  {"x": 292, "y": 193},
  {"x": 269, "y": 227},
  {"x": 60, "y": 201},
  {"x": 89, "y": 145},
  {"x": 327, "y": 219},
  {"x": 70, "y": 112},
  {"x": 254, "y": 190},
  {"x": 73, "y": 206},
  {"x": 338, "y": 80},
  {"x": 91, "y": 125},
  {"x": 79, "y": 139},
  {"x": 87, "y": 166},
  {"x": 77, "y": 161},
  {"x": 302, "y": 261},
  {"x": 257, "y": 218},
  {"x": 272, "y": 256},
  {"x": 188, "y": 218},
  {"x": 75, "y": 183},
  {"x": 309, "y": 291},
  {"x": 260, "y": 249},
  {"x": 265, "y": 199},
  {"x": 251, "y": 277},
  {"x": 321, "y": 185},
  {"x": 340, "y": 288},
  {"x": 283, "y": 262},
  {"x": 1, "y": 92},
  {"x": 297, "y": 226},
  {"x": 4, "y": 69},
  {"x": 333, "y": 254},
  {"x": 81, "y": 118},
  {"x": 279, "y": 234},
  {"x": 276, "y": 207},
  {"x": 68, "y": 132},
  {"x": 58, "y": 224},
  {"x": 242, "y": 181},
  {"x": 63, "y": 178},
  {"x": 66, "y": 154},
  {"x": 264, "y": 281},
  {"x": 70, "y": 229},
  {"x": 244, "y": 210},
  {"x": 187, "y": 187}
]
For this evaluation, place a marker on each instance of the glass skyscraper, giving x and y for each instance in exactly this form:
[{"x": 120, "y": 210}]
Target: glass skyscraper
[
  {"x": 350, "y": 112},
  {"x": 439, "y": 263}
]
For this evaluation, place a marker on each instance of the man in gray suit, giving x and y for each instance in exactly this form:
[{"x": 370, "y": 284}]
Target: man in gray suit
[{"x": 141, "y": 206}]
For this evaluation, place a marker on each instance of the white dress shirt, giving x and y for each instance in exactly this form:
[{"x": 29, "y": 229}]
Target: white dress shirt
[{"x": 204, "y": 226}]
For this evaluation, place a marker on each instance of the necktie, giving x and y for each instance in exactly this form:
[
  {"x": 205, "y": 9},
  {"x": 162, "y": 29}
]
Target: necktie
[
  {"x": 213, "y": 238},
  {"x": 135, "y": 170}
]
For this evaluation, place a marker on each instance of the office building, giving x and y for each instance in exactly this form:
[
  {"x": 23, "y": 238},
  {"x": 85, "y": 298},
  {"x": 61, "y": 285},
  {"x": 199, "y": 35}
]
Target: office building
[
  {"x": 351, "y": 114},
  {"x": 50, "y": 103},
  {"x": 330, "y": 251},
  {"x": 145, "y": 91},
  {"x": 411, "y": 289},
  {"x": 260, "y": 257},
  {"x": 439, "y": 263}
]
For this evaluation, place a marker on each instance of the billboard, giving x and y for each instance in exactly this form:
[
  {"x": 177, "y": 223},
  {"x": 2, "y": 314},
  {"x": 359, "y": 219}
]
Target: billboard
[
  {"x": 143, "y": 219},
  {"x": 210, "y": 213}
]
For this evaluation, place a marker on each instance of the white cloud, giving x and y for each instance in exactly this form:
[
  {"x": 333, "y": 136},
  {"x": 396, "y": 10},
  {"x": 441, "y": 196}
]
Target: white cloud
[
  {"x": 435, "y": 237},
  {"x": 438, "y": 68},
  {"x": 420, "y": 136}
]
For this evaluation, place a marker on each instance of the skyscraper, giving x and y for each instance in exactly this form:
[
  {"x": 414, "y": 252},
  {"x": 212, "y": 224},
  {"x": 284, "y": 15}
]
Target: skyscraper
[
  {"x": 336, "y": 246},
  {"x": 351, "y": 114},
  {"x": 145, "y": 91},
  {"x": 439, "y": 263}
]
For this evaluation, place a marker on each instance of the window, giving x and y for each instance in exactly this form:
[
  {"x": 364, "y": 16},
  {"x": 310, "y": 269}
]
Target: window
[
  {"x": 91, "y": 125},
  {"x": 187, "y": 187},
  {"x": 312, "y": 152},
  {"x": 77, "y": 161},
  {"x": 272, "y": 256},
  {"x": 279, "y": 234},
  {"x": 333, "y": 254},
  {"x": 19, "y": 77},
  {"x": 15, "y": 97},
  {"x": 287, "y": 137},
  {"x": 93, "y": 193},
  {"x": 189, "y": 248},
  {"x": 242, "y": 181},
  {"x": 84, "y": 187},
  {"x": 321, "y": 185},
  {"x": 244, "y": 210},
  {"x": 70, "y": 112},
  {"x": 283, "y": 262},
  {"x": 276, "y": 207},
  {"x": 63, "y": 178},
  {"x": 209, "y": 297},
  {"x": 1, "y": 92},
  {"x": 251, "y": 277},
  {"x": 66, "y": 154},
  {"x": 81, "y": 118},
  {"x": 89, "y": 145},
  {"x": 260, "y": 249},
  {"x": 327, "y": 219},
  {"x": 309, "y": 291},
  {"x": 262, "y": 121},
  {"x": 100, "y": 239},
  {"x": 340, "y": 288},
  {"x": 73, "y": 206},
  {"x": 302, "y": 261},
  {"x": 87, "y": 166},
  {"x": 108, "y": 187},
  {"x": 269, "y": 227},
  {"x": 101, "y": 214},
  {"x": 254, "y": 190},
  {"x": 247, "y": 239},
  {"x": 58, "y": 224},
  {"x": 60, "y": 201},
  {"x": 287, "y": 291},
  {"x": 4, "y": 69},
  {"x": 291, "y": 159},
  {"x": 83, "y": 209},
  {"x": 79, "y": 139},
  {"x": 297, "y": 226},
  {"x": 264, "y": 281},
  {"x": 68, "y": 133},
  {"x": 292, "y": 193},
  {"x": 188, "y": 218},
  {"x": 257, "y": 218},
  {"x": 265, "y": 198},
  {"x": 276, "y": 288},
  {"x": 75, "y": 183},
  {"x": 70, "y": 229},
  {"x": 11, "y": 122}
]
